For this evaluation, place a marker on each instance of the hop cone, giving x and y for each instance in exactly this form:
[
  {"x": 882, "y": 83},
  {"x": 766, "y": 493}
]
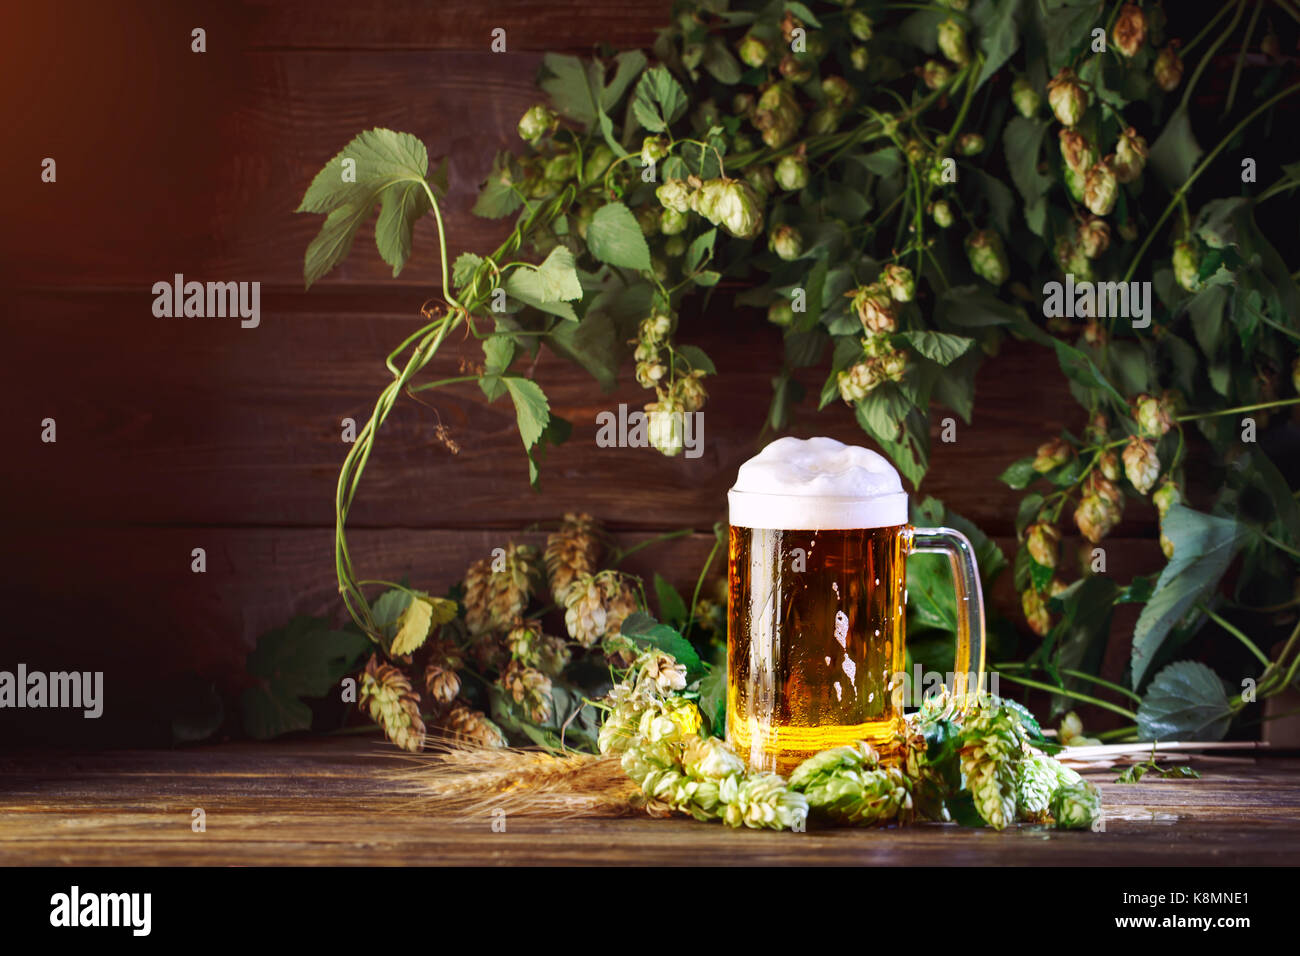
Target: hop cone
[
  {"x": 596, "y": 606},
  {"x": 644, "y": 757},
  {"x": 442, "y": 683},
  {"x": 762, "y": 801},
  {"x": 440, "y": 677},
  {"x": 473, "y": 726},
  {"x": 1036, "y": 781},
  {"x": 817, "y": 769},
  {"x": 493, "y": 599},
  {"x": 673, "y": 790},
  {"x": 990, "y": 754},
  {"x": 1076, "y": 806},
  {"x": 1141, "y": 464},
  {"x": 710, "y": 758},
  {"x": 572, "y": 551},
  {"x": 387, "y": 695},
  {"x": 529, "y": 688},
  {"x": 861, "y": 797}
]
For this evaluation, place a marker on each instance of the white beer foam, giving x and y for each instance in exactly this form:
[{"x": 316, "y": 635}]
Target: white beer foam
[{"x": 817, "y": 484}]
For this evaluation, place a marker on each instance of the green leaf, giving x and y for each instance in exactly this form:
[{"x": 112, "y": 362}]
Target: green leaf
[
  {"x": 659, "y": 100},
  {"x": 463, "y": 269},
  {"x": 1019, "y": 473},
  {"x": 696, "y": 358},
  {"x": 999, "y": 37},
  {"x": 615, "y": 237},
  {"x": 646, "y": 631},
  {"x": 550, "y": 286},
  {"x": 498, "y": 197},
  {"x": 700, "y": 250},
  {"x": 882, "y": 162},
  {"x": 557, "y": 277},
  {"x": 1204, "y": 546},
  {"x": 671, "y": 606},
  {"x": 1022, "y": 142},
  {"x": 305, "y": 658},
  {"x": 713, "y": 700},
  {"x": 1184, "y": 702},
  {"x": 1175, "y": 153},
  {"x": 498, "y": 353},
  {"x": 531, "y": 408},
  {"x": 938, "y": 346},
  {"x": 378, "y": 166}
]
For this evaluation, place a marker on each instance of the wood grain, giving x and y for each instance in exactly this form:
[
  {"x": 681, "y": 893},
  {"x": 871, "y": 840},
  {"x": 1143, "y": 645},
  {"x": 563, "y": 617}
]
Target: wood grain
[{"x": 339, "y": 802}]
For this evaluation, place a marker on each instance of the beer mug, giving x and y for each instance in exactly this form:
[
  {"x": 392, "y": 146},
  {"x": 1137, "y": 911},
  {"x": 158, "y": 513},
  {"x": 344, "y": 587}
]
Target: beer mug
[{"x": 817, "y": 587}]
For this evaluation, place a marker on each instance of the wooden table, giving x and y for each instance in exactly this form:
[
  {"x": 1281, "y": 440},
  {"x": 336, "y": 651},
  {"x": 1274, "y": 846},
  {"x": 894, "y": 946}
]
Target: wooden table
[{"x": 336, "y": 801}]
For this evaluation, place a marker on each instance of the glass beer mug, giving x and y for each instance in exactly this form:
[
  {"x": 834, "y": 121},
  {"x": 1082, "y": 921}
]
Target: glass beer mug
[{"x": 817, "y": 556}]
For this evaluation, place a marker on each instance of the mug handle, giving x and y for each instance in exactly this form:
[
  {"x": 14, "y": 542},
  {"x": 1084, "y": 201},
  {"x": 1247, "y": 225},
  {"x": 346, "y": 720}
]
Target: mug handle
[{"x": 970, "y": 606}]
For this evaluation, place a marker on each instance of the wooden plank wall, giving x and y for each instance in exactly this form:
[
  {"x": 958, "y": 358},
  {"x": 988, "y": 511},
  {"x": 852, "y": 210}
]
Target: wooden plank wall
[{"x": 183, "y": 433}]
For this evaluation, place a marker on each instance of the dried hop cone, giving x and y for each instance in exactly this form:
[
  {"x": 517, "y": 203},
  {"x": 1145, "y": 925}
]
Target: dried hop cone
[
  {"x": 386, "y": 694},
  {"x": 1035, "y": 608},
  {"x": 472, "y": 726},
  {"x": 1093, "y": 237},
  {"x": 1141, "y": 465},
  {"x": 1108, "y": 464},
  {"x": 1130, "y": 156},
  {"x": 1052, "y": 454},
  {"x": 1096, "y": 516},
  {"x": 661, "y": 670},
  {"x": 529, "y": 688},
  {"x": 874, "y": 305},
  {"x": 1100, "y": 188},
  {"x": 1154, "y": 417},
  {"x": 1168, "y": 69},
  {"x": 1130, "y": 30},
  {"x": 762, "y": 801},
  {"x": 1043, "y": 539},
  {"x": 597, "y": 605},
  {"x": 1066, "y": 97},
  {"x": 498, "y": 588},
  {"x": 1076, "y": 806},
  {"x": 572, "y": 551}
]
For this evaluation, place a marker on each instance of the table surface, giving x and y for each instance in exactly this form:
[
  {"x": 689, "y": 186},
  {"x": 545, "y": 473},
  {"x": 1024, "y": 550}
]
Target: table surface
[{"x": 338, "y": 801}]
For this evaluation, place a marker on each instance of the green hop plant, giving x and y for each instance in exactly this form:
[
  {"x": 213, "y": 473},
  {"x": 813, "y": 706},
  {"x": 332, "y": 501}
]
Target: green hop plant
[
  {"x": 988, "y": 257},
  {"x": 791, "y": 172},
  {"x": 1066, "y": 97},
  {"x": 1141, "y": 464},
  {"x": 1130, "y": 156},
  {"x": 1187, "y": 265},
  {"x": 1043, "y": 539},
  {"x": 780, "y": 313},
  {"x": 1093, "y": 237},
  {"x": 970, "y": 144},
  {"x": 762, "y": 801},
  {"x": 900, "y": 282},
  {"x": 654, "y": 149},
  {"x": 1100, "y": 189},
  {"x": 991, "y": 750},
  {"x": 1035, "y": 784},
  {"x": 675, "y": 194},
  {"x": 942, "y": 214},
  {"x": 1130, "y": 31},
  {"x": 777, "y": 115},
  {"x": 1168, "y": 69},
  {"x": 952, "y": 42},
  {"x": 786, "y": 242},
  {"x": 753, "y": 51},
  {"x": 537, "y": 121},
  {"x": 731, "y": 204},
  {"x": 860, "y": 25},
  {"x": 1025, "y": 97},
  {"x": 1076, "y": 806}
]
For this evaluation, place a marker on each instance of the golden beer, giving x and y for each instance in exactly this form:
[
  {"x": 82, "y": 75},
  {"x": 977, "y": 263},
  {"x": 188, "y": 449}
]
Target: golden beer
[
  {"x": 818, "y": 624},
  {"x": 817, "y": 556}
]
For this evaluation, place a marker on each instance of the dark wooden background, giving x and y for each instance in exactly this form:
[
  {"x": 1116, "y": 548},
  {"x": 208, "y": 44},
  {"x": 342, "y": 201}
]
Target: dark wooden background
[{"x": 182, "y": 433}]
